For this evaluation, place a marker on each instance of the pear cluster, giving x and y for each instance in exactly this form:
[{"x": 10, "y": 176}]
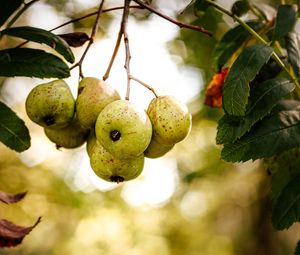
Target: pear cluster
[{"x": 118, "y": 134}]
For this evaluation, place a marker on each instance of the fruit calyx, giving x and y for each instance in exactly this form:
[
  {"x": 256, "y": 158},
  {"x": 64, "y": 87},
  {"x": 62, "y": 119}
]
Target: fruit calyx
[
  {"x": 115, "y": 135},
  {"x": 49, "y": 120},
  {"x": 116, "y": 178}
]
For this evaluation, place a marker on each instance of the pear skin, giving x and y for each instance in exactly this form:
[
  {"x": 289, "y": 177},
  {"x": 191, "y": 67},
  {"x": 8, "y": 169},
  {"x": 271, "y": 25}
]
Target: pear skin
[
  {"x": 171, "y": 120},
  {"x": 93, "y": 96},
  {"x": 156, "y": 149},
  {"x": 51, "y": 104}
]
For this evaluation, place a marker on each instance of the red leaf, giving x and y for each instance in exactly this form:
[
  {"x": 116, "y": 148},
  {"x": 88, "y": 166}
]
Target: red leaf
[
  {"x": 75, "y": 39},
  {"x": 11, "y": 234},
  {"x": 10, "y": 198},
  {"x": 213, "y": 94}
]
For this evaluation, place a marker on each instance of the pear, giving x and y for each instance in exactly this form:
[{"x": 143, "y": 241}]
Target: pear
[
  {"x": 93, "y": 96},
  {"x": 71, "y": 136},
  {"x": 171, "y": 120},
  {"x": 90, "y": 142},
  {"x": 123, "y": 129},
  {"x": 156, "y": 149},
  {"x": 51, "y": 104},
  {"x": 113, "y": 169}
]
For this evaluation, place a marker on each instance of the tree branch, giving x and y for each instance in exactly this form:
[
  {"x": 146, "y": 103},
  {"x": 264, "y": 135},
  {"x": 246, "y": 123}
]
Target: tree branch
[
  {"x": 91, "y": 40},
  {"x": 144, "y": 84},
  {"x": 178, "y": 23}
]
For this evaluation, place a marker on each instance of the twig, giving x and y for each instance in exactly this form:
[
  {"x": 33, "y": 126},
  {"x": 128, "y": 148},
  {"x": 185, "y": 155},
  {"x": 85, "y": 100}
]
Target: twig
[
  {"x": 144, "y": 84},
  {"x": 93, "y": 14},
  {"x": 91, "y": 40},
  {"x": 126, "y": 42},
  {"x": 20, "y": 12},
  {"x": 178, "y": 23}
]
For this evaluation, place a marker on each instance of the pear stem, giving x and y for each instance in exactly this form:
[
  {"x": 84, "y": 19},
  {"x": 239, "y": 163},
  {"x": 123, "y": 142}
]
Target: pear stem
[
  {"x": 91, "y": 40},
  {"x": 144, "y": 84}
]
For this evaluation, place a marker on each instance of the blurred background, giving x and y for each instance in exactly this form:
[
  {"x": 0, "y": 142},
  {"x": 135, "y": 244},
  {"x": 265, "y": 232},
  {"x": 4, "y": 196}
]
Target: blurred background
[{"x": 187, "y": 202}]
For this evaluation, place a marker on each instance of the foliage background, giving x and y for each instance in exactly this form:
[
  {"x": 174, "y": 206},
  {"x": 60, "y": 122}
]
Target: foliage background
[{"x": 214, "y": 208}]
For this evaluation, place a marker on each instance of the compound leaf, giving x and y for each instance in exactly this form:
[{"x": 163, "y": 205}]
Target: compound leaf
[
  {"x": 31, "y": 63},
  {"x": 42, "y": 36},
  {"x": 13, "y": 132},
  {"x": 286, "y": 209},
  {"x": 274, "y": 134},
  {"x": 244, "y": 69},
  {"x": 263, "y": 98},
  {"x": 7, "y": 8},
  {"x": 285, "y": 20}
]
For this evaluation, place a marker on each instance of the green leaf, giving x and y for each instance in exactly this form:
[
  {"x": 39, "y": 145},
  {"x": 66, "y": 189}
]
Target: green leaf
[
  {"x": 285, "y": 20},
  {"x": 274, "y": 134},
  {"x": 293, "y": 50},
  {"x": 244, "y": 69},
  {"x": 297, "y": 250},
  {"x": 232, "y": 41},
  {"x": 286, "y": 209},
  {"x": 42, "y": 36},
  {"x": 263, "y": 98},
  {"x": 31, "y": 63},
  {"x": 7, "y": 8},
  {"x": 201, "y": 6},
  {"x": 13, "y": 132},
  {"x": 240, "y": 7}
]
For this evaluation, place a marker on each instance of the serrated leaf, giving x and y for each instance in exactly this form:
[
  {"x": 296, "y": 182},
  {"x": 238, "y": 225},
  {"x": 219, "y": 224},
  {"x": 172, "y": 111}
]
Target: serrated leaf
[
  {"x": 244, "y": 69},
  {"x": 293, "y": 50},
  {"x": 11, "y": 234},
  {"x": 297, "y": 250},
  {"x": 42, "y": 36},
  {"x": 232, "y": 41},
  {"x": 7, "y": 8},
  {"x": 274, "y": 134},
  {"x": 263, "y": 98},
  {"x": 13, "y": 132},
  {"x": 285, "y": 20},
  {"x": 31, "y": 63},
  {"x": 286, "y": 209}
]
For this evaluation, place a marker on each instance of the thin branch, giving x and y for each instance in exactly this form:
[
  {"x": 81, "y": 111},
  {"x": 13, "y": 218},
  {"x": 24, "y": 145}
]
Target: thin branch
[
  {"x": 20, "y": 12},
  {"x": 144, "y": 84},
  {"x": 93, "y": 14},
  {"x": 178, "y": 23},
  {"x": 126, "y": 42},
  {"x": 91, "y": 40}
]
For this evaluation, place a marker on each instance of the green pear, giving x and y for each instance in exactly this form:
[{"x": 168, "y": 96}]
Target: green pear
[
  {"x": 51, "y": 104},
  {"x": 156, "y": 149},
  {"x": 71, "y": 136},
  {"x": 113, "y": 169},
  {"x": 90, "y": 142},
  {"x": 93, "y": 96},
  {"x": 123, "y": 129},
  {"x": 171, "y": 120}
]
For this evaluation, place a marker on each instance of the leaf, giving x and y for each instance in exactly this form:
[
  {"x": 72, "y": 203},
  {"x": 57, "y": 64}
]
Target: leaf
[
  {"x": 42, "y": 36},
  {"x": 9, "y": 198},
  {"x": 13, "y": 132},
  {"x": 200, "y": 6},
  {"x": 11, "y": 234},
  {"x": 232, "y": 41},
  {"x": 75, "y": 39},
  {"x": 7, "y": 8},
  {"x": 244, "y": 69},
  {"x": 31, "y": 63},
  {"x": 285, "y": 20},
  {"x": 272, "y": 135},
  {"x": 240, "y": 7},
  {"x": 297, "y": 250},
  {"x": 263, "y": 98},
  {"x": 293, "y": 50},
  {"x": 286, "y": 209}
]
